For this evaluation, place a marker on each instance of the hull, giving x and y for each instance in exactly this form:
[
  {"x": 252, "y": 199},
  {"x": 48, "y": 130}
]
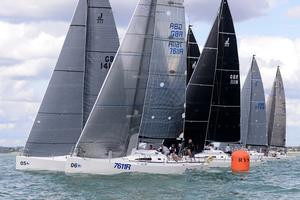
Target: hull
[
  {"x": 149, "y": 162},
  {"x": 55, "y": 164},
  {"x": 76, "y": 165}
]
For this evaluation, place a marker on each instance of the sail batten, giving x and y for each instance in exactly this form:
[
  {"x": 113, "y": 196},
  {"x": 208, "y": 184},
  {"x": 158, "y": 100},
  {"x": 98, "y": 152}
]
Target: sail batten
[{"x": 60, "y": 119}]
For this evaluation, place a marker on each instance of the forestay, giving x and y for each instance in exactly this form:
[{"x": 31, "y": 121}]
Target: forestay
[
  {"x": 84, "y": 61},
  {"x": 143, "y": 94}
]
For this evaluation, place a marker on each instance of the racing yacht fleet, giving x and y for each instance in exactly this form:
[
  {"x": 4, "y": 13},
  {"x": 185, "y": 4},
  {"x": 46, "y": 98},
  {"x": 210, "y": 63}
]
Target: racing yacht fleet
[{"x": 152, "y": 104}]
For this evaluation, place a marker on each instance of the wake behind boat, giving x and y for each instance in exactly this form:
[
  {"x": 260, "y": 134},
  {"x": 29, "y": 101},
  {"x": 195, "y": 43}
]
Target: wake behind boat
[{"x": 90, "y": 44}]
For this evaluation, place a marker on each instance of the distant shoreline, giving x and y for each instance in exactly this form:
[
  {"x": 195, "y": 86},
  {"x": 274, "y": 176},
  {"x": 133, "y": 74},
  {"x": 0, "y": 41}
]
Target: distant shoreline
[{"x": 11, "y": 150}]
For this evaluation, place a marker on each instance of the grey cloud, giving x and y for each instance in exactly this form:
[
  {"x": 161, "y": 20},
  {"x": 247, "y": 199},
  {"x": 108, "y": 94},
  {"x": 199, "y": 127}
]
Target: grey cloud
[
  {"x": 16, "y": 11},
  {"x": 206, "y": 10},
  {"x": 197, "y": 10},
  {"x": 4, "y": 62}
]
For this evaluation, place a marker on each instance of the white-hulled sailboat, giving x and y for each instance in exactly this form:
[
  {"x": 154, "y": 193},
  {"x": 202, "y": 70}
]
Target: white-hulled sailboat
[
  {"x": 276, "y": 119},
  {"x": 253, "y": 114},
  {"x": 84, "y": 61},
  {"x": 142, "y": 98},
  {"x": 213, "y": 93}
]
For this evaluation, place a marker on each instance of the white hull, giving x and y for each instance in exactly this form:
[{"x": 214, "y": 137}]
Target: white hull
[
  {"x": 151, "y": 162},
  {"x": 55, "y": 164},
  {"x": 76, "y": 165},
  {"x": 159, "y": 164}
]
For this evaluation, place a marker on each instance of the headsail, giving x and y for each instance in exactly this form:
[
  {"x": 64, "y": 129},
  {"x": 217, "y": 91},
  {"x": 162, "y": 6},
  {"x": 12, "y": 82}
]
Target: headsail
[
  {"x": 213, "y": 93},
  {"x": 193, "y": 53},
  {"x": 90, "y": 46},
  {"x": 253, "y": 112},
  {"x": 143, "y": 94},
  {"x": 276, "y": 113}
]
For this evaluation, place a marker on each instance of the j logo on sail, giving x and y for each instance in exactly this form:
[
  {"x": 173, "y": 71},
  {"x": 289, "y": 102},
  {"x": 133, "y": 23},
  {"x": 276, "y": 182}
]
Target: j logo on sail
[
  {"x": 100, "y": 19},
  {"x": 227, "y": 42}
]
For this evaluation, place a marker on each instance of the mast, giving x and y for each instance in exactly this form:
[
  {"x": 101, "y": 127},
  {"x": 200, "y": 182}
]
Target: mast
[
  {"x": 193, "y": 53},
  {"x": 143, "y": 94},
  {"x": 60, "y": 119},
  {"x": 276, "y": 113},
  {"x": 213, "y": 93},
  {"x": 253, "y": 112}
]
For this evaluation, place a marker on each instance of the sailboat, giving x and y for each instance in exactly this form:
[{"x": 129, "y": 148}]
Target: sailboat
[
  {"x": 213, "y": 93},
  {"x": 253, "y": 113},
  {"x": 142, "y": 98},
  {"x": 276, "y": 115},
  {"x": 193, "y": 53},
  {"x": 84, "y": 61}
]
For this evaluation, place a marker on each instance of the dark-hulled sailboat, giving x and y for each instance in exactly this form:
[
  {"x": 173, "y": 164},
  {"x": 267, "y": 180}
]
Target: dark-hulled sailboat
[
  {"x": 253, "y": 113},
  {"x": 276, "y": 114},
  {"x": 84, "y": 61},
  {"x": 213, "y": 93}
]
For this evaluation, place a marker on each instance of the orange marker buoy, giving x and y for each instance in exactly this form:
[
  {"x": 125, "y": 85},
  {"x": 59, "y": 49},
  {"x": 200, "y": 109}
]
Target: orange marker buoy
[{"x": 240, "y": 161}]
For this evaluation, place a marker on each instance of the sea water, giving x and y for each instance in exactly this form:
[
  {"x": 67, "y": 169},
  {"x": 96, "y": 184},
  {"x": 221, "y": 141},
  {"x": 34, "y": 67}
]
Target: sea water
[{"x": 272, "y": 180}]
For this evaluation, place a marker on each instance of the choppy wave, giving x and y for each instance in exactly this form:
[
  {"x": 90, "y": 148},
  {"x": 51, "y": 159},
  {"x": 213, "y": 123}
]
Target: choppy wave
[{"x": 273, "y": 180}]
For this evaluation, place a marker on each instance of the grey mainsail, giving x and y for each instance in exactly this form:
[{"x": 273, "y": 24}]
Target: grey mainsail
[
  {"x": 253, "y": 109},
  {"x": 143, "y": 94},
  {"x": 276, "y": 114},
  {"x": 88, "y": 50}
]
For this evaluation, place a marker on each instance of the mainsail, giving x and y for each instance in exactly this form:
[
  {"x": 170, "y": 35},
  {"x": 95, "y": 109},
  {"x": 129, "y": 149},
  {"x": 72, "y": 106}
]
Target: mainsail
[
  {"x": 84, "y": 61},
  {"x": 193, "y": 53},
  {"x": 213, "y": 93},
  {"x": 253, "y": 112},
  {"x": 143, "y": 94},
  {"x": 276, "y": 114}
]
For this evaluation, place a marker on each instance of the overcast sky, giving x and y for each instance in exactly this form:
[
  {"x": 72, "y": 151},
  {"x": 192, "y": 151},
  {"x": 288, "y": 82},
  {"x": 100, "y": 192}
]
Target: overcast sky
[{"x": 33, "y": 31}]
